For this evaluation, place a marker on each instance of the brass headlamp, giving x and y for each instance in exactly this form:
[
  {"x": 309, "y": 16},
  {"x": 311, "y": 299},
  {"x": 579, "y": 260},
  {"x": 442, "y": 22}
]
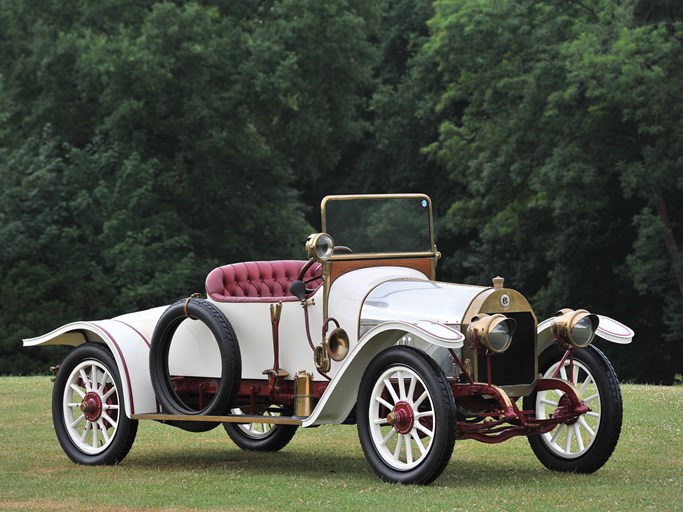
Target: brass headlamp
[
  {"x": 320, "y": 246},
  {"x": 491, "y": 334},
  {"x": 574, "y": 329}
]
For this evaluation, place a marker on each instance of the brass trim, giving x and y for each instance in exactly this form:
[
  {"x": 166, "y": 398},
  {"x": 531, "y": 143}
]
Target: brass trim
[
  {"x": 350, "y": 197},
  {"x": 303, "y": 393},
  {"x": 381, "y": 255},
  {"x": 434, "y": 255},
  {"x": 489, "y": 302}
]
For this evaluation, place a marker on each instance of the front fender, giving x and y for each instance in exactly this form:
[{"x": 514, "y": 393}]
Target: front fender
[
  {"x": 340, "y": 396},
  {"x": 608, "y": 329},
  {"x": 129, "y": 343}
]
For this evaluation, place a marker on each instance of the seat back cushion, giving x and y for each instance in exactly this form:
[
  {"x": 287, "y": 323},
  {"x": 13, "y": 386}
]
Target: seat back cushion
[{"x": 258, "y": 281}]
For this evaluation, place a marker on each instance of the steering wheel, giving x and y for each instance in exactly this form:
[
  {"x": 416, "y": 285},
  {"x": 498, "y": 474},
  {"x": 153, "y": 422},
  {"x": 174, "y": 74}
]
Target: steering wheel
[
  {"x": 338, "y": 249},
  {"x": 305, "y": 268}
]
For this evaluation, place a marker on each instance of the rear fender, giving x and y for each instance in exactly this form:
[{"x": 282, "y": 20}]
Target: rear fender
[
  {"x": 608, "y": 329},
  {"x": 340, "y": 396},
  {"x": 128, "y": 345}
]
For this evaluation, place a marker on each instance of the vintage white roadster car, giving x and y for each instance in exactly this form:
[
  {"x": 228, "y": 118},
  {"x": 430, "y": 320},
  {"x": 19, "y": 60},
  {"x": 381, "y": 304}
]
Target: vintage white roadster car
[{"x": 359, "y": 333}]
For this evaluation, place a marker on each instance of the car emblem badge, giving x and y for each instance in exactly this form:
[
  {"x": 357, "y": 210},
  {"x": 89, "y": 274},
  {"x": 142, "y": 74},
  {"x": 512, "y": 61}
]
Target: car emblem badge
[{"x": 505, "y": 300}]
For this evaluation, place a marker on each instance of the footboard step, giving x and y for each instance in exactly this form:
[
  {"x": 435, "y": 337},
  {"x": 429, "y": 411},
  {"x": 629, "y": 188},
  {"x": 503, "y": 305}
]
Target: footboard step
[{"x": 233, "y": 418}]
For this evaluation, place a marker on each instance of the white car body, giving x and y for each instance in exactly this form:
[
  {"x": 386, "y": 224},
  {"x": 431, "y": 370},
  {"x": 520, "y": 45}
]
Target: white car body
[{"x": 250, "y": 355}]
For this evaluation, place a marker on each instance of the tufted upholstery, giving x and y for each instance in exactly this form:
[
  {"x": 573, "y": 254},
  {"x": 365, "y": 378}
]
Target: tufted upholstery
[{"x": 257, "y": 281}]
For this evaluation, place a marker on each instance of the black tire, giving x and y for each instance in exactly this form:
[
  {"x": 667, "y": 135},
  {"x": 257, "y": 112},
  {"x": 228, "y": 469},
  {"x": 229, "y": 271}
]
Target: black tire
[
  {"x": 231, "y": 362},
  {"x": 101, "y": 434},
  {"x": 260, "y": 437},
  {"x": 598, "y": 430},
  {"x": 420, "y": 373}
]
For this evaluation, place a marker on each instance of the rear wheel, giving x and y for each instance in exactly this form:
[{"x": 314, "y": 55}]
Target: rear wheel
[
  {"x": 586, "y": 444},
  {"x": 262, "y": 437},
  {"x": 406, "y": 416},
  {"x": 88, "y": 409}
]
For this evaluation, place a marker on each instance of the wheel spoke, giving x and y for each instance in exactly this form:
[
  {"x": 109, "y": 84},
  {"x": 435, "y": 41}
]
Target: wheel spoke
[
  {"x": 77, "y": 420},
  {"x": 418, "y": 442},
  {"x": 77, "y": 390},
  {"x": 84, "y": 434},
  {"x": 86, "y": 381},
  {"x": 563, "y": 373},
  {"x": 419, "y": 426},
  {"x": 411, "y": 388},
  {"x": 397, "y": 450},
  {"x": 109, "y": 419},
  {"x": 593, "y": 414},
  {"x": 419, "y": 401},
  {"x": 586, "y": 426},
  {"x": 384, "y": 402},
  {"x": 401, "y": 385},
  {"x": 109, "y": 393},
  {"x": 591, "y": 398},
  {"x": 390, "y": 388},
  {"x": 103, "y": 429},
  {"x": 579, "y": 438},
  {"x": 549, "y": 402},
  {"x": 557, "y": 433},
  {"x": 568, "y": 441},
  {"x": 102, "y": 382},
  {"x": 424, "y": 414},
  {"x": 586, "y": 383},
  {"x": 409, "y": 449},
  {"x": 93, "y": 377},
  {"x": 388, "y": 437}
]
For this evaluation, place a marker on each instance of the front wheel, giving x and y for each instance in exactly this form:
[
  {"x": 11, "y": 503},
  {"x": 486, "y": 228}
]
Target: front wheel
[
  {"x": 406, "y": 416},
  {"x": 260, "y": 437},
  {"x": 586, "y": 444},
  {"x": 88, "y": 409}
]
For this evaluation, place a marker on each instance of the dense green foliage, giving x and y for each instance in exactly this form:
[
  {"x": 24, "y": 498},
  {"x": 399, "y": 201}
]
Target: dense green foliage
[{"x": 142, "y": 143}]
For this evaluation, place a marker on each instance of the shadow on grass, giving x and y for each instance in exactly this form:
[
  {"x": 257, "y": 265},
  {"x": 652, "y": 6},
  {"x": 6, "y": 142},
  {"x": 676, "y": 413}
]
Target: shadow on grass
[{"x": 318, "y": 464}]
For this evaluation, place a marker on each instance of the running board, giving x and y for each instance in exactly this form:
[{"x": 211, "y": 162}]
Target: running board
[{"x": 235, "y": 418}]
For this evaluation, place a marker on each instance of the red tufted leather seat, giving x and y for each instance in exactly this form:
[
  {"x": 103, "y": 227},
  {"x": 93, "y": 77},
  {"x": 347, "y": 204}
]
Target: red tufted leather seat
[{"x": 258, "y": 281}]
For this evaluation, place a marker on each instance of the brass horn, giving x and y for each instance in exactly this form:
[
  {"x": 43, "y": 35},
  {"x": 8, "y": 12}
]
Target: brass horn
[
  {"x": 333, "y": 347},
  {"x": 337, "y": 344}
]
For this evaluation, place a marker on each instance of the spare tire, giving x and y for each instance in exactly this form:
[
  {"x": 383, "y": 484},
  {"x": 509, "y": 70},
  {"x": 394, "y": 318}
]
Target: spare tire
[{"x": 165, "y": 389}]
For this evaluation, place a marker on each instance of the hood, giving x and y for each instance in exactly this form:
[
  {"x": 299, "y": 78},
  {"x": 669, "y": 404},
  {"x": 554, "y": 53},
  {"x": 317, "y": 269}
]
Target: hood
[{"x": 414, "y": 300}]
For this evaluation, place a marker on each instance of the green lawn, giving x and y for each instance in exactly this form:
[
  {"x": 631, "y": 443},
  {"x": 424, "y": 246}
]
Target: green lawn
[{"x": 324, "y": 468}]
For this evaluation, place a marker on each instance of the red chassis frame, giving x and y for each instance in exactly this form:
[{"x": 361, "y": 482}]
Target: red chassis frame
[{"x": 497, "y": 418}]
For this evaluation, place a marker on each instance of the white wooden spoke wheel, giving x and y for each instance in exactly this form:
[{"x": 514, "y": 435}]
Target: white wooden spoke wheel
[
  {"x": 264, "y": 437},
  {"x": 586, "y": 443},
  {"x": 406, "y": 416},
  {"x": 88, "y": 408}
]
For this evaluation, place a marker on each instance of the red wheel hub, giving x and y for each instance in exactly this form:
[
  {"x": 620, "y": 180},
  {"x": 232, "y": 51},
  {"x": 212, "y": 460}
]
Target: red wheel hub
[
  {"x": 402, "y": 418},
  {"x": 92, "y": 406},
  {"x": 565, "y": 406}
]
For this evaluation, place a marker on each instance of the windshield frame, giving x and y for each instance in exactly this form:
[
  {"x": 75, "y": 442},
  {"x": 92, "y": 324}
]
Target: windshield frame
[{"x": 433, "y": 253}]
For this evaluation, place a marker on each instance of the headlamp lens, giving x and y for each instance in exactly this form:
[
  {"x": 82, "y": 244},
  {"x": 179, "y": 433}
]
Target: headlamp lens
[{"x": 583, "y": 332}]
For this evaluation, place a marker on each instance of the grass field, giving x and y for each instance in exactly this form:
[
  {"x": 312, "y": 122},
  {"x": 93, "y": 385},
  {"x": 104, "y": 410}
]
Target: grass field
[{"x": 324, "y": 468}]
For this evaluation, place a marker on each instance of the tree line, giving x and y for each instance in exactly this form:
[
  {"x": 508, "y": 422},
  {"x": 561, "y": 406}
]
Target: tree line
[{"x": 143, "y": 143}]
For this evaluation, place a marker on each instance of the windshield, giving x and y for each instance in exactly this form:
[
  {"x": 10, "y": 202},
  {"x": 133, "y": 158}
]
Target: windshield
[{"x": 379, "y": 224}]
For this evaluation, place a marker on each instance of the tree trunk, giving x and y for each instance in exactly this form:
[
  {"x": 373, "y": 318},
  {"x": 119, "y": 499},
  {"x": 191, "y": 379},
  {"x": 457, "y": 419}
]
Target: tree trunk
[{"x": 668, "y": 236}]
